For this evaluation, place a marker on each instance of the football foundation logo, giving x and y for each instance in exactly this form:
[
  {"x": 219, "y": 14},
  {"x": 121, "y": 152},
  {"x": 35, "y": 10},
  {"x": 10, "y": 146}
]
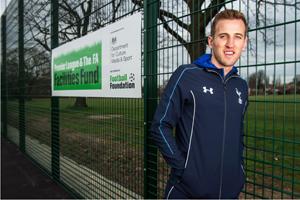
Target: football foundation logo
[{"x": 122, "y": 81}]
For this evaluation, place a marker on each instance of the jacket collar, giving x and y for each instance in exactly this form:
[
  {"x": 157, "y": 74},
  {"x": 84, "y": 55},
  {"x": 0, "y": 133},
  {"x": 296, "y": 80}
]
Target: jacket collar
[{"x": 205, "y": 63}]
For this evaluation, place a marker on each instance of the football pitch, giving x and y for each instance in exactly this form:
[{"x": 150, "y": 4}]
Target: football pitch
[{"x": 271, "y": 127}]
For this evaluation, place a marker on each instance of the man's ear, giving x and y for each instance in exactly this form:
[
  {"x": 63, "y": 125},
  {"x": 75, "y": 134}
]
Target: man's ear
[
  {"x": 210, "y": 41},
  {"x": 245, "y": 43}
]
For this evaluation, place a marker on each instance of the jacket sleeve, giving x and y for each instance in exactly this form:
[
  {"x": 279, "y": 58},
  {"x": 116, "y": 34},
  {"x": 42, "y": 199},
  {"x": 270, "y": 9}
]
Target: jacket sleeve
[{"x": 165, "y": 119}]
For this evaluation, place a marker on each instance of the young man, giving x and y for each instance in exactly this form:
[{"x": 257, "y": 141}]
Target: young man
[{"x": 206, "y": 102}]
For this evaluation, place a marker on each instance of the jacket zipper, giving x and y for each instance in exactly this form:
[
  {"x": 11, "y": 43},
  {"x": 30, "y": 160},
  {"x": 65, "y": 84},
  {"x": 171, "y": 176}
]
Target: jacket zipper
[
  {"x": 224, "y": 131},
  {"x": 223, "y": 141}
]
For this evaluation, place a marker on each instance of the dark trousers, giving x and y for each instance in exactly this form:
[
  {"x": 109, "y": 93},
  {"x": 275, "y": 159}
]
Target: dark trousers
[{"x": 173, "y": 191}]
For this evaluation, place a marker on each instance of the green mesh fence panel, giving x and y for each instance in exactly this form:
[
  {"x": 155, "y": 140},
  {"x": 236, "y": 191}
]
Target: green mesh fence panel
[
  {"x": 101, "y": 139},
  {"x": 12, "y": 72},
  {"x": 271, "y": 68}
]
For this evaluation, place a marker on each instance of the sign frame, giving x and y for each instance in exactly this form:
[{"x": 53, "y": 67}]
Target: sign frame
[{"x": 104, "y": 63}]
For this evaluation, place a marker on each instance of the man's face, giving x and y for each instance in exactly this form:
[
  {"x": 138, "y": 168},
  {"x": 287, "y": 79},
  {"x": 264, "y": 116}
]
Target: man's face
[{"x": 228, "y": 42}]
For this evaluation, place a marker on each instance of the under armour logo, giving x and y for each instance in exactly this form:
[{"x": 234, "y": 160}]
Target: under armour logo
[
  {"x": 210, "y": 90},
  {"x": 239, "y": 94}
]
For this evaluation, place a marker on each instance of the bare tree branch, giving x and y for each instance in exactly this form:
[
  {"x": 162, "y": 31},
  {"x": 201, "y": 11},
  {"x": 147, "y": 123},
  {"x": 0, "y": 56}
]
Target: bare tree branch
[
  {"x": 213, "y": 9},
  {"x": 163, "y": 13},
  {"x": 194, "y": 5},
  {"x": 86, "y": 14},
  {"x": 282, "y": 3},
  {"x": 140, "y": 3},
  {"x": 171, "y": 31},
  {"x": 66, "y": 6},
  {"x": 41, "y": 30},
  {"x": 115, "y": 9},
  {"x": 174, "y": 18},
  {"x": 42, "y": 43}
]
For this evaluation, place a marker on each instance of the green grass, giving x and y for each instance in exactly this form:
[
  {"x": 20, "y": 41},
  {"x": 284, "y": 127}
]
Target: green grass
[
  {"x": 272, "y": 131},
  {"x": 126, "y": 122},
  {"x": 267, "y": 117},
  {"x": 272, "y": 142}
]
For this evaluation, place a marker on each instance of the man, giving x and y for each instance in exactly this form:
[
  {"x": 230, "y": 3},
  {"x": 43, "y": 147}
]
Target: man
[{"x": 206, "y": 102}]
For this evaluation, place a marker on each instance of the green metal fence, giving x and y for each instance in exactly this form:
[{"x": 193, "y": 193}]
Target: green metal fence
[{"x": 100, "y": 147}]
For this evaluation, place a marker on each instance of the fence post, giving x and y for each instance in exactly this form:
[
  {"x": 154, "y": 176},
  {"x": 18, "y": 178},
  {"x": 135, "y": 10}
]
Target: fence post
[
  {"x": 150, "y": 96},
  {"x": 21, "y": 76},
  {"x": 3, "y": 78},
  {"x": 55, "y": 148}
]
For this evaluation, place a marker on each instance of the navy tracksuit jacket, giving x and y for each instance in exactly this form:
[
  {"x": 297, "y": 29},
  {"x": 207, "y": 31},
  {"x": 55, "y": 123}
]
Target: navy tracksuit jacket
[{"x": 207, "y": 110}]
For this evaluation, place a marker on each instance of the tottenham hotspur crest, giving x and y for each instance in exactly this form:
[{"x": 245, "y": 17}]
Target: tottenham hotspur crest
[{"x": 239, "y": 94}]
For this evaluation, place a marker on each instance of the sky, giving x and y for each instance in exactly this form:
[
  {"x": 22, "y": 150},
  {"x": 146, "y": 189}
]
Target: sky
[
  {"x": 282, "y": 44},
  {"x": 287, "y": 39},
  {"x": 3, "y": 4}
]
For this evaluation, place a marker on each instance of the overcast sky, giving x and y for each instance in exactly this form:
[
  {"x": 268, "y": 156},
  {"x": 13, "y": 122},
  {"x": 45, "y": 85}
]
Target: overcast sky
[
  {"x": 3, "y": 4},
  {"x": 286, "y": 41}
]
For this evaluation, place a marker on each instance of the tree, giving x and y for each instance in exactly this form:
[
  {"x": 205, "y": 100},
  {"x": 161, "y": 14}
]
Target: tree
[
  {"x": 78, "y": 24},
  {"x": 199, "y": 19},
  {"x": 37, "y": 72},
  {"x": 74, "y": 22},
  {"x": 257, "y": 11},
  {"x": 35, "y": 68},
  {"x": 12, "y": 73},
  {"x": 258, "y": 81}
]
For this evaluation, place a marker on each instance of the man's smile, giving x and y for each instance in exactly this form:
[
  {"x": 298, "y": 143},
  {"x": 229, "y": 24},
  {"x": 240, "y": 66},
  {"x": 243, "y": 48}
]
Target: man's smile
[{"x": 229, "y": 53}]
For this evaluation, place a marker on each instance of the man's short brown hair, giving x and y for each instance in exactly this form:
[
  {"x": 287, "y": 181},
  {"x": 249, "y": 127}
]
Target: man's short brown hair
[{"x": 228, "y": 14}]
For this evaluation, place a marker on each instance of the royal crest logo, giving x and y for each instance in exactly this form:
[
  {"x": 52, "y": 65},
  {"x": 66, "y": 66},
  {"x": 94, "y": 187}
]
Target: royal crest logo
[{"x": 113, "y": 40}]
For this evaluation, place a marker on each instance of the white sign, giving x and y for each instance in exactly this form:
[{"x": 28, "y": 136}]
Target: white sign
[{"x": 104, "y": 63}]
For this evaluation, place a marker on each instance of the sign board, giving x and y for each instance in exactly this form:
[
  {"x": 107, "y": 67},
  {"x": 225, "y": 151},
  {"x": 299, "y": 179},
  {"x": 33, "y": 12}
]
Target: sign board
[{"x": 104, "y": 63}]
